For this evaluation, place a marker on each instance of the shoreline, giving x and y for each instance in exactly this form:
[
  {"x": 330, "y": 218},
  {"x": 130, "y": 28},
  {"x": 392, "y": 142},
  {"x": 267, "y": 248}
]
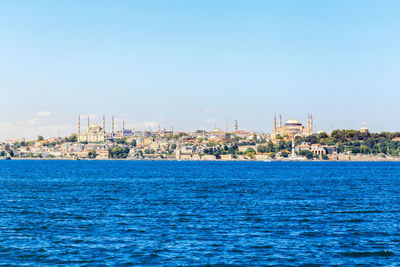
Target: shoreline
[{"x": 218, "y": 160}]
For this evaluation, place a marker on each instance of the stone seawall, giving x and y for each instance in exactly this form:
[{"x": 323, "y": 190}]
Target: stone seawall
[{"x": 362, "y": 158}]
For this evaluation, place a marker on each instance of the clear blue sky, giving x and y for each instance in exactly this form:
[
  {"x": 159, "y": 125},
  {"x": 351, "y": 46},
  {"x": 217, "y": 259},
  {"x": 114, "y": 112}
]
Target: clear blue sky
[{"x": 190, "y": 63}]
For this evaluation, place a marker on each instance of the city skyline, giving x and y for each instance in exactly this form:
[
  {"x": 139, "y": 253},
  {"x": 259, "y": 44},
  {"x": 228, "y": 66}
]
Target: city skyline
[
  {"x": 192, "y": 65},
  {"x": 114, "y": 124}
]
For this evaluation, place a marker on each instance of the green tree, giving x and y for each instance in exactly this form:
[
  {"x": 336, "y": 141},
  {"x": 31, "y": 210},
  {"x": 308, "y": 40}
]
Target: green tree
[
  {"x": 40, "y": 138},
  {"x": 121, "y": 141},
  {"x": 323, "y": 135},
  {"x": 250, "y": 150},
  {"x": 133, "y": 143},
  {"x": 119, "y": 152},
  {"x": 92, "y": 154},
  {"x": 270, "y": 147},
  {"x": 149, "y": 151},
  {"x": 261, "y": 149},
  {"x": 73, "y": 139},
  {"x": 307, "y": 153}
]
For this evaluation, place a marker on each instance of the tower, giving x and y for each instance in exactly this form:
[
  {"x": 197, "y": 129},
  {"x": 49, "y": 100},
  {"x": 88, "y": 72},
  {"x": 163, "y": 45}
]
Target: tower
[
  {"x": 274, "y": 124},
  {"x": 236, "y": 126},
  {"x": 79, "y": 128},
  {"x": 104, "y": 124},
  {"x": 123, "y": 128},
  {"x": 280, "y": 121},
  {"x": 88, "y": 123},
  {"x": 311, "y": 124},
  {"x": 112, "y": 127}
]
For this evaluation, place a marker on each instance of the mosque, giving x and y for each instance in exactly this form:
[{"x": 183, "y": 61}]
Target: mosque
[
  {"x": 96, "y": 133},
  {"x": 293, "y": 127}
]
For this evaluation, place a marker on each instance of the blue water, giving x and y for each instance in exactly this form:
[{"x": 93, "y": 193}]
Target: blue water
[{"x": 196, "y": 213}]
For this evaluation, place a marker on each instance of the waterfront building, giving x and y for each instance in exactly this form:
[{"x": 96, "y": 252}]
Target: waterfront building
[
  {"x": 226, "y": 157},
  {"x": 262, "y": 156},
  {"x": 208, "y": 157}
]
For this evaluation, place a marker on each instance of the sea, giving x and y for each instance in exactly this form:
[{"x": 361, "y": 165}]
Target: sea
[{"x": 169, "y": 213}]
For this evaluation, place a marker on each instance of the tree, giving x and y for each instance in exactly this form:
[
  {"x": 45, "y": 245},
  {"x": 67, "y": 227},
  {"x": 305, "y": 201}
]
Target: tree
[
  {"x": 270, "y": 147},
  {"x": 251, "y": 154},
  {"x": 133, "y": 143},
  {"x": 2, "y": 153},
  {"x": 307, "y": 153},
  {"x": 250, "y": 150},
  {"x": 149, "y": 151},
  {"x": 212, "y": 143},
  {"x": 119, "y": 152},
  {"x": 40, "y": 138},
  {"x": 284, "y": 154},
  {"x": 322, "y": 135},
  {"x": 281, "y": 145},
  {"x": 122, "y": 141},
  {"x": 92, "y": 154},
  {"x": 261, "y": 149},
  {"x": 73, "y": 139}
]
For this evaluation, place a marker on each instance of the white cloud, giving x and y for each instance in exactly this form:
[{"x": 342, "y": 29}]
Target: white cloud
[
  {"x": 32, "y": 121},
  {"x": 44, "y": 113},
  {"x": 4, "y": 124},
  {"x": 365, "y": 123}
]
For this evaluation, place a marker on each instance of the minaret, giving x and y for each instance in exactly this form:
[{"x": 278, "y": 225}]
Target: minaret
[
  {"x": 236, "y": 126},
  {"x": 88, "y": 123},
  {"x": 112, "y": 127},
  {"x": 274, "y": 124},
  {"x": 311, "y": 124},
  {"x": 123, "y": 128},
  {"x": 79, "y": 128},
  {"x": 104, "y": 124},
  {"x": 227, "y": 130},
  {"x": 280, "y": 121}
]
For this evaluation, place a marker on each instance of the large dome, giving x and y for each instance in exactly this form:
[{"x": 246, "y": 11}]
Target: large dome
[
  {"x": 95, "y": 126},
  {"x": 293, "y": 122}
]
